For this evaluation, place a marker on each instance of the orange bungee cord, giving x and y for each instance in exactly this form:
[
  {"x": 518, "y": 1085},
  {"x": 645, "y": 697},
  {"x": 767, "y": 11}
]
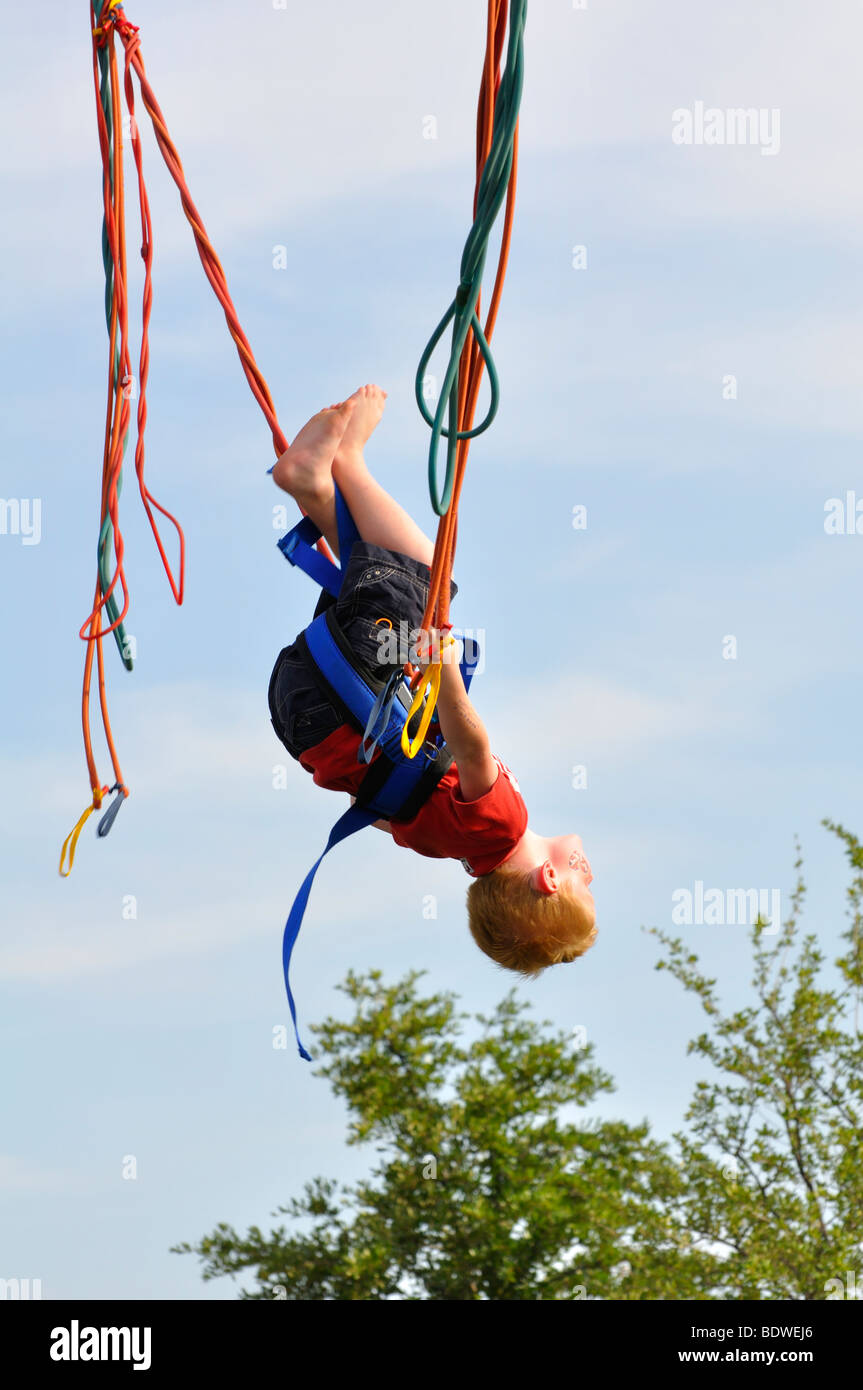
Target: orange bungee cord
[{"x": 107, "y": 614}]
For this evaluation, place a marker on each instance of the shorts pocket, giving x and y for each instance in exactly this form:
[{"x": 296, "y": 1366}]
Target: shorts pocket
[
  {"x": 373, "y": 587},
  {"x": 309, "y": 725}
]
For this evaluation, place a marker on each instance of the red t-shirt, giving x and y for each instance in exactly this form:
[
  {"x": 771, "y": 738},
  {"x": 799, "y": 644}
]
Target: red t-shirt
[{"x": 481, "y": 833}]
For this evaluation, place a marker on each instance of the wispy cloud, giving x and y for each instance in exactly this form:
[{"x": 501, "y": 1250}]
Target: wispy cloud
[{"x": 23, "y": 1177}]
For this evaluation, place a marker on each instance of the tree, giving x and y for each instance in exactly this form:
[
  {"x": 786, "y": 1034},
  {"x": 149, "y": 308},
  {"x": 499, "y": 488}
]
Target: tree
[
  {"x": 492, "y": 1184},
  {"x": 772, "y": 1154},
  {"x": 485, "y": 1187}
]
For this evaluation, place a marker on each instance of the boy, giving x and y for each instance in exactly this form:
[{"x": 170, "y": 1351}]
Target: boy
[{"x": 529, "y": 905}]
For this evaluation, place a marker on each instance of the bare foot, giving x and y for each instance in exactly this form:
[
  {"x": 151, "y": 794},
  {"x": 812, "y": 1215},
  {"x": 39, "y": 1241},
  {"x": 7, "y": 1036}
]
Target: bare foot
[
  {"x": 305, "y": 469},
  {"x": 369, "y": 402}
]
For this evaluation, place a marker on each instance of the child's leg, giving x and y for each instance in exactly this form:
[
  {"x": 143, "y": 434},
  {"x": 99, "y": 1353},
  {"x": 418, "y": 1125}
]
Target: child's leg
[
  {"x": 330, "y": 447},
  {"x": 379, "y": 519},
  {"x": 305, "y": 470}
]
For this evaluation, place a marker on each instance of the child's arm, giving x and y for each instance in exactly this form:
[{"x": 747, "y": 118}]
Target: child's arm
[{"x": 464, "y": 732}]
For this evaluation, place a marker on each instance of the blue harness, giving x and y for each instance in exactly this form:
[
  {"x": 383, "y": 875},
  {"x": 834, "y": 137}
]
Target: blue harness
[{"x": 395, "y": 787}]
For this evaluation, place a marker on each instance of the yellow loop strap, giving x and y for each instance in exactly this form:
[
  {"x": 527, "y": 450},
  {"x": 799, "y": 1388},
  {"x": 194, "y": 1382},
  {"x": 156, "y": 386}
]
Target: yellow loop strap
[
  {"x": 430, "y": 681},
  {"x": 72, "y": 841}
]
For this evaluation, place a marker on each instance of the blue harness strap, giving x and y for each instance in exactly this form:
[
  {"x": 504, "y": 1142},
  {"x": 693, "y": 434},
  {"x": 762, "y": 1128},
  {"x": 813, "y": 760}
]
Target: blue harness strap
[
  {"x": 298, "y": 547},
  {"x": 335, "y": 667},
  {"x": 348, "y": 532},
  {"x": 354, "y": 819}
]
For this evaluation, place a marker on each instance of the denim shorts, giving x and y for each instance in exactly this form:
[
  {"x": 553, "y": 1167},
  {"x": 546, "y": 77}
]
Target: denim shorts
[{"x": 380, "y": 588}]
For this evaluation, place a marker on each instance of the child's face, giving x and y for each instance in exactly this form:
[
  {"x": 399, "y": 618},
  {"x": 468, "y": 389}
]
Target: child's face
[{"x": 570, "y": 863}]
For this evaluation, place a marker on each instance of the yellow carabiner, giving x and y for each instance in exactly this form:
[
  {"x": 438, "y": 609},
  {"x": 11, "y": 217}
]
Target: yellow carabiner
[
  {"x": 430, "y": 682},
  {"x": 72, "y": 841}
]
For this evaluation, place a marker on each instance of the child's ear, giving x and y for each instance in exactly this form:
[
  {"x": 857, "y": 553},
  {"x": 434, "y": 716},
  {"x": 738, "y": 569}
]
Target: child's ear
[{"x": 544, "y": 879}]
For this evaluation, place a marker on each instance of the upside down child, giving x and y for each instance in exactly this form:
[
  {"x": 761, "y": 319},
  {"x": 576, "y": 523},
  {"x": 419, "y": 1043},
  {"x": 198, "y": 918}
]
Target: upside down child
[{"x": 529, "y": 904}]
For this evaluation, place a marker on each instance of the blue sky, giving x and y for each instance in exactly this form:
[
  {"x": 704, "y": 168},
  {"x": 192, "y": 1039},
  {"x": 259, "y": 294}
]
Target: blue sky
[{"x": 152, "y": 1037}]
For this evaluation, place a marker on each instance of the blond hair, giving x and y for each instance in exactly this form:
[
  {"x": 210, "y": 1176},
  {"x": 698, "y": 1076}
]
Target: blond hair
[{"x": 525, "y": 930}]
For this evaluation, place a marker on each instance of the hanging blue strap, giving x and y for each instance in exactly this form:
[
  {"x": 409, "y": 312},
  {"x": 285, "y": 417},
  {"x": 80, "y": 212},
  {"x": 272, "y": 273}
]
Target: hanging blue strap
[
  {"x": 353, "y": 820},
  {"x": 298, "y": 547},
  {"x": 387, "y": 801}
]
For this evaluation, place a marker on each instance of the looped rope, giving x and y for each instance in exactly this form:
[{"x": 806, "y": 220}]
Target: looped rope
[
  {"x": 104, "y": 826},
  {"x": 493, "y": 182},
  {"x": 71, "y": 840},
  {"x": 448, "y": 401}
]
